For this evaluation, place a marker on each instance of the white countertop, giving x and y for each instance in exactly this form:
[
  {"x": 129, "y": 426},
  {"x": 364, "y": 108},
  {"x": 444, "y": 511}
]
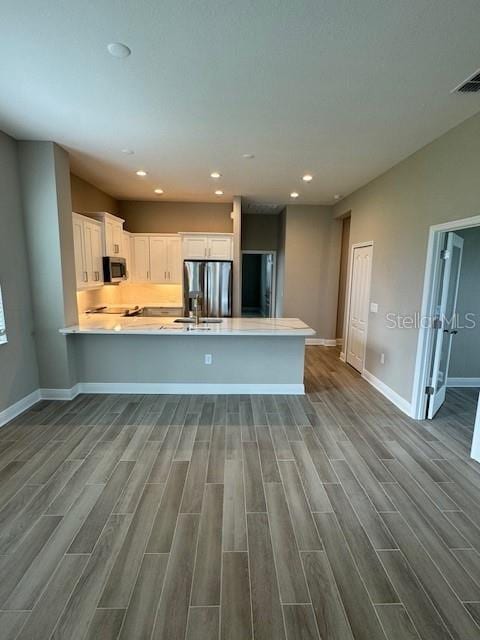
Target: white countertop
[{"x": 166, "y": 326}]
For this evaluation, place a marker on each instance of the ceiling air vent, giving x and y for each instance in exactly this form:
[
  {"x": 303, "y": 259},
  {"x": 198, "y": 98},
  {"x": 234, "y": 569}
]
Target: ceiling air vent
[{"x": 470, "y": 85}]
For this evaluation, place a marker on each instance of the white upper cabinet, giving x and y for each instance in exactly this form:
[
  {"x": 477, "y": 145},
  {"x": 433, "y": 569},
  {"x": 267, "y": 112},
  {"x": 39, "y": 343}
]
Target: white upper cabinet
[
  {"x": 157, "y": 259},
  {"x": 87, "y": 241},
  {"x": 207, "y": 247},
  {"x": 127, "y": 253},
  {"x": 141, "y": 258},
  {"x": 112, "y": 234}
]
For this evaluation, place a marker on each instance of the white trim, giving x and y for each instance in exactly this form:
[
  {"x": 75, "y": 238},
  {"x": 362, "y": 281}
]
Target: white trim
[
  {"x": 339, "y": 342},
  {"x": 357, "y": 245},
  {"x": 273, "y": 295},
  {"x": 342, "y": 356},
  {"x": 19, "y": 407},
  {"x": 190, "y": 388},
  {"x": 61, "y": 394},
  {"x": 463, "y": 382},
  {"x": 425, "y": 336},
  {"x": 390, "y": 394},
  {"x": 475, "y": 451},
  {"x": 324, "y": 342}
]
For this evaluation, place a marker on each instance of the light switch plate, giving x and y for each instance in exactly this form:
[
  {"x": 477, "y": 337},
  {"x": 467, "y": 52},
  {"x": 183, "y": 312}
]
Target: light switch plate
[{"x": 374, "y": 307}]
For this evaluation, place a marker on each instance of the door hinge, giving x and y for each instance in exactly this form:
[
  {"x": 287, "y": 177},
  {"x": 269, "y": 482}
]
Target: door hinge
[
  {"x": 444, "y": 254},
  {"x": 429, "y": 391},
  {"x": 437, "y": 323}
]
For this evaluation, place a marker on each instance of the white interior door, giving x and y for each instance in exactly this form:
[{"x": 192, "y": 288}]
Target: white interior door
[
  {"x": 446, "y": 327},
  {"x": 358, "y": 309}
]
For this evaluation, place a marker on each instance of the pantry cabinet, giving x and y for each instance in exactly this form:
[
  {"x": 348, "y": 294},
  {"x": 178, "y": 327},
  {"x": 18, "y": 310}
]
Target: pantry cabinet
[
  {"x": 87, "y": 241},
  {"x": 207, "y": 246}
]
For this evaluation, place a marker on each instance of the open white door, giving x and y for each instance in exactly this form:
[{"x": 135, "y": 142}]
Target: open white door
[
  {"x": 445, "y": 321},
  {"x": 358, "y": 307}
]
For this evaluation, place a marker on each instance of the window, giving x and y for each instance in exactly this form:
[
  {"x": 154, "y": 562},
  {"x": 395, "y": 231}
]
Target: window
[{"x": 3, "y": 331}]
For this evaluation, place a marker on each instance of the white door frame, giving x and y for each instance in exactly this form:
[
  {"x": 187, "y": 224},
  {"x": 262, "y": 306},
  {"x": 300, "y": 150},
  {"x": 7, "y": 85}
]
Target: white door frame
[
  {"x": 273, "y": 302},
  {"x": 357, "y": 245},
  {"x": 425, "y": 334}
]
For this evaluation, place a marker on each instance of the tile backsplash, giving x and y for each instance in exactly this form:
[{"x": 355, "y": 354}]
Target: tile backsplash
[{"x": 130, "y": 294}]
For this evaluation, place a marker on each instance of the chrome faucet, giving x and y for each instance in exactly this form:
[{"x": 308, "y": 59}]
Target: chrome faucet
[{"x": 196, "y": 306}]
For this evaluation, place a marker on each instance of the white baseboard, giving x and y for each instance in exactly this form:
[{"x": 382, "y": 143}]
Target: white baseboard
[
  {"x": 19, "y": 407},
  {"x": 174, "y": 388},
  {"x": 390, "y": 394},
  {"x": 339, "y": 342},
  {"x": 342, "y": 357},
  {"x": 463, "y": 382},
  {"x": 191, "y": 388},
  {"x": 322, "y": 342},
  {"x": 61, "y": 394}
]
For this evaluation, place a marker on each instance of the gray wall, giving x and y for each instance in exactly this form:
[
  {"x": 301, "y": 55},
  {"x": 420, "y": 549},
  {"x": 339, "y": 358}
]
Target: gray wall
[
  {"x": 45, "y": 179},
  {"x": 311, "y": 271},
  {"x": 102, "y": 359},
  {"x": 171, "y": 217},
  {"x": 465, "y": 356},
  {"x": 87, "y": 198},
  {"x": 18, "y": 360},
  {"x": 436, "y": 184},
  {"x": 260, "y": 232}
]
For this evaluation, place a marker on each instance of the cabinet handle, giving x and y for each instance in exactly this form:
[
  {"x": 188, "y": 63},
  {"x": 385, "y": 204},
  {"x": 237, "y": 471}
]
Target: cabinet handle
[
  {"x": 164, "y": 275},
  {"x": 85, "y": 276},
  {"x": 148, "y": 275},
  {"x": 169, "y": 276}
]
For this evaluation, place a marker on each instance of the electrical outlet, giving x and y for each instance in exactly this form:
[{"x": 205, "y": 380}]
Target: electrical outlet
[
  {"x": 208, "y": 358},
  {"x": 373, "y": 307},
  {"x": 382, "y": 358}
]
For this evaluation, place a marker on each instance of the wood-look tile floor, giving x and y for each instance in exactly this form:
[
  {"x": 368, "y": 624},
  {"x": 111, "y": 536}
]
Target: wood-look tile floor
[{"x": 328, "y": 516}]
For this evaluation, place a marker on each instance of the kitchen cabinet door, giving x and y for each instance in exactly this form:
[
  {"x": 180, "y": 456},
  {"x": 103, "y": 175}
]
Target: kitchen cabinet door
[
  {"x": 159, "y": 259},
  {"x": 113, "y": 237},
  {"x": 220, "y": 248},
  {"x": 79, "y": 251},
  {"x": 174, "y": 261},
  {"x": 93, "y": 253},
  {"x": 194, "y": 247},
  {"x": 127, "y": 254},
  {"x": 141, "y": 249}
]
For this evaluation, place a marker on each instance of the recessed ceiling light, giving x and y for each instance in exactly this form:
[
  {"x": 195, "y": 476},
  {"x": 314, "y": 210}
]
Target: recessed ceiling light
[
  {"x": 294, "y": 194},
  {"x": 128, "y": 152},
  {"x": 218, "y": 192},
  {"x": 248, "y": 156},
  {"x": 307, "y": 177},
  {"x": 215, "y": 174},
  {"x": 118, "y": 50},
  {"x": 337, "y": 196},
  {"x": 141, "y": 173},
  {"x": 159, "y": 192}
]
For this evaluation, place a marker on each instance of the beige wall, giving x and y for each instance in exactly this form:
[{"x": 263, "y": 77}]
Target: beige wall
[
  {"x": 311, "y": 270},
  {"x": 260, "y": 232},
  {"x": 18, "y": 360},
  {"x": 171, "y": 217},
  {"x": 465, "y": 357},
  {"x": 87, "y": 198},
  {"x": 436, "y": 184}
]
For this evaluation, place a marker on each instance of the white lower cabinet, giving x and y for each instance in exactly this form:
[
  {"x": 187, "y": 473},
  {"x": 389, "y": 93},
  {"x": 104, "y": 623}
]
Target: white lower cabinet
[
  {"x": 87, "y": 241},
  {"x": 207, "y": 247}
]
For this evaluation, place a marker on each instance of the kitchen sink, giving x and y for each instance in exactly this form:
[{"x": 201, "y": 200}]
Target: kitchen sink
[{"x": 202, "y": 320}]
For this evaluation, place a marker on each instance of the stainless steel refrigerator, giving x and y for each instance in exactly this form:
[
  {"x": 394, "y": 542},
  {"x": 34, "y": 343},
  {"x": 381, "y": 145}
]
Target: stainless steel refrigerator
[{"x": 212, "y": 280}]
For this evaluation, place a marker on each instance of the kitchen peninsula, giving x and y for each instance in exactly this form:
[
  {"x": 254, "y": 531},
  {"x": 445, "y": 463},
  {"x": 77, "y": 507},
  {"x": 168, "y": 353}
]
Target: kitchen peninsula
[{"x": 160, "y": 355}]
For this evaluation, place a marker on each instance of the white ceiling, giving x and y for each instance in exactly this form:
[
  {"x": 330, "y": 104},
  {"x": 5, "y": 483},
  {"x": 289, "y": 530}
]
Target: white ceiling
[{"x": 342, "y": 89}]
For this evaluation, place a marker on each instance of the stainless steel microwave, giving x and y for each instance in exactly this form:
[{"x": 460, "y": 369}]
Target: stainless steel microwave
[{"x": 114, "y": 269}]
